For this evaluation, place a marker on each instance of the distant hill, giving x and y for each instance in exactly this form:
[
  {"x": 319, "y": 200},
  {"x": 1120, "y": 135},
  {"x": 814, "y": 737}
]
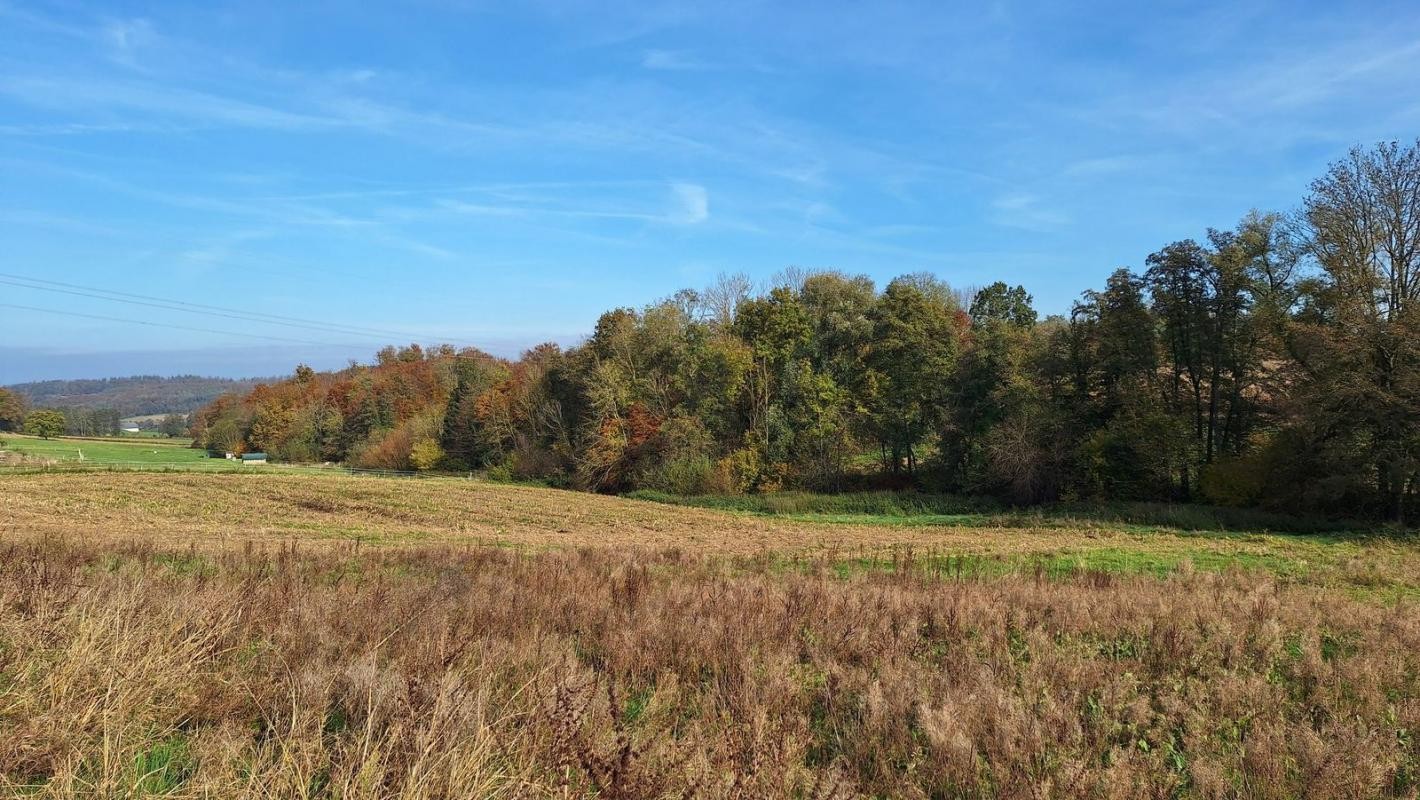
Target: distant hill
[{"x": 134, "y": 396}]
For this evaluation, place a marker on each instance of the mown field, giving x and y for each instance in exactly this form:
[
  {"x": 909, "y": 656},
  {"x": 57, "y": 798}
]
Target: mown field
[
  {"x": 282, "y": 635},
  {"x": 118, "y": 452}
]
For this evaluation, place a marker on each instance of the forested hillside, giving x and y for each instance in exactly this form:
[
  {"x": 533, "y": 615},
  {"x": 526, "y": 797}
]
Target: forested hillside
[
  {"x": 1273, "y": 364},
  {"x": 134, "y": 396}
]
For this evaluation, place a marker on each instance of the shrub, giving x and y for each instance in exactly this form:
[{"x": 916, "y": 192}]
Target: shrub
[{"x": 426, "y": 454}]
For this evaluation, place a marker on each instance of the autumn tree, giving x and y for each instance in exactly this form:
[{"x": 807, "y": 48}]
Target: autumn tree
[
  {"x": 463, "y": 437},
  {"x": 12, "y": 410}
]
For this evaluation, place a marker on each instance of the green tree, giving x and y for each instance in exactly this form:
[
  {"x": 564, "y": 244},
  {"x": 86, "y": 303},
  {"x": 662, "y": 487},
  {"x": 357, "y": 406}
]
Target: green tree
[
  {"x": 989, "y": 383},
  {"x": 714, "y": 376},
  {"x": 1179, "y": 279},
  {"x": 1007, "y": 304},
  {"x": 1124, "y": 439},
  {"x": 838, "y": 308},
  {"x": 1117, "y": 357},
  {"x": 425, "y": 454},
  {"x": 776, "y": 328},
  {"x": 910, "y": 358},
  {"x": 45, "y": 423}
]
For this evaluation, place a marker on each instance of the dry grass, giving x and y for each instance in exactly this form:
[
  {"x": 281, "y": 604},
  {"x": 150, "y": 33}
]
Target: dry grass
[
  {"x": 229, "y": 510},
  {"x": 274, "y": 636},
  {"x": 128, "y": 670}
]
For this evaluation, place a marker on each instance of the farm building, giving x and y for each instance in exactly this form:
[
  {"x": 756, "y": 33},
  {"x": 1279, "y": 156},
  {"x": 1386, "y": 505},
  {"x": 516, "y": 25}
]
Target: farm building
[{"x": 253, "y": 458}]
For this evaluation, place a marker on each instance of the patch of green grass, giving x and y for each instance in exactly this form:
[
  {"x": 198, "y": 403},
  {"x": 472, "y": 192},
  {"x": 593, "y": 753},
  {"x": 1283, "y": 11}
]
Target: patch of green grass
[
  {"x": 1057, "y": 565},
  {"x": 1126, "y": 561},
  {"x": 875, "y": 504},
  {"x": 186, "y": 565},
  {"x": 635, "y": 705},
  {"x": 163, "y": 768},
  {"x": 914, "y": 508}
]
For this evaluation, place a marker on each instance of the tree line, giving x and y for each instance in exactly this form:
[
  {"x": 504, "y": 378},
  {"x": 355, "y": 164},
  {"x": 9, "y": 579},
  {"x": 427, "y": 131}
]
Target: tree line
[
  {"x": 47, "y": 422},
  {"x": 134, "y": 396},
  {"x": 1270, "y": 364},
  {"x": 15, "y": 415}
]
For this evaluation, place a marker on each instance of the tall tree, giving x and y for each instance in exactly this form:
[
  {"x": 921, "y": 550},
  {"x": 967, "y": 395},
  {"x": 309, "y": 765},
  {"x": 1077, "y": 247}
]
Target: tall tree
[
  {"x": 989, "y": 382},
  {"x": 776, "y": 328},
  {"x": 914, "y": 345},
  {"x": 463, "y": 438},
  {"x": 1360, "y": 333}
]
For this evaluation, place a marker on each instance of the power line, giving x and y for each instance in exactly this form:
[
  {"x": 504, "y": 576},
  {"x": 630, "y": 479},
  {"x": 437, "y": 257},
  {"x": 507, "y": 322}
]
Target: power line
[
  {"x": 175, "y": 308},
  {"x": 194, "y": 308},
  {"x": 167, "y": 325}
]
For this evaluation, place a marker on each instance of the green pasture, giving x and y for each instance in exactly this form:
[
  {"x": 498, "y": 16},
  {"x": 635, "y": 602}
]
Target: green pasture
[{"x": 117, "y": 452}]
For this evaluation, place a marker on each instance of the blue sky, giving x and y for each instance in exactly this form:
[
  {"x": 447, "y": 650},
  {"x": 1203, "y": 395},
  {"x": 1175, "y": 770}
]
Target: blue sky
[{"x": 499, "y": 174}]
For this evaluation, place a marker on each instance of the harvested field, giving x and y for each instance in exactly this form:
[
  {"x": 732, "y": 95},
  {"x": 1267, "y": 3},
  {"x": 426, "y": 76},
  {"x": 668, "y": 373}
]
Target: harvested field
[{"x": 224, "y": 510}]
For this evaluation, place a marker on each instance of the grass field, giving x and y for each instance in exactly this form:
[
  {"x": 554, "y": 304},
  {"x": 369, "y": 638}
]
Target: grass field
[
  {"x": 118, "y": 451},
  {"x": 283, "y": 635},
  {"x": 209, "y": 511}
]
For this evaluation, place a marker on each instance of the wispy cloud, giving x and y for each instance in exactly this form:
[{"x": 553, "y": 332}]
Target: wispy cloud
[
  {"x": 889, "y": 139},
  {"x": 87, "y": 128},
  {"x": 673, "y": 60},
  {"x": 198, "y": 89},
  {"x": 693, "y": 204},
  {"x": 689, "y": 203},
  {"x": 62, "y": 94},
  {"x": 1028, "y": 212},
  {"x": 126, "y": 38},
  {"x": 1103, "y": 165}
]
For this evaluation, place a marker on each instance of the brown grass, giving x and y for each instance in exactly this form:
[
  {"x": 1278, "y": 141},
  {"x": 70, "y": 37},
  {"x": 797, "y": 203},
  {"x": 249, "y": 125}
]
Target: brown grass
[
  {"x": 277, "y": 636},
  {"x": 217, "y": 511},
  {"x": 133, "y": 670}
]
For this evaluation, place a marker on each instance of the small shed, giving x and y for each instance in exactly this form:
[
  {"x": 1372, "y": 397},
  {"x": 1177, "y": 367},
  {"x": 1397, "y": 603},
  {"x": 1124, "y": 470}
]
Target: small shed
[{"x": 253, "y": 458}]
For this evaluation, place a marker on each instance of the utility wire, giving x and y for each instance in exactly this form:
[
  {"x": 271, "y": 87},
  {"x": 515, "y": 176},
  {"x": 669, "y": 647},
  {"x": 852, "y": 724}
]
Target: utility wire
[
  {"x": 165, "y": 307},
  {"x": 167, "y": 325},
  {"x": 373, "y": 334},
  {"x": 194, "y": 308}
]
